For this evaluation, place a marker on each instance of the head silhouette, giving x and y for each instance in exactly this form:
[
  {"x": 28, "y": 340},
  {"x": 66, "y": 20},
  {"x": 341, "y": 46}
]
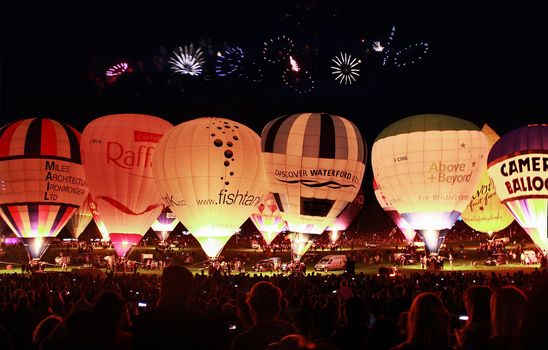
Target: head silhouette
[
  {"x": 264, "y": 300},
  {"x": 176, "y": 286},
  {"x": 507, "y": 310},
  {"x": 428, "y": 322}
]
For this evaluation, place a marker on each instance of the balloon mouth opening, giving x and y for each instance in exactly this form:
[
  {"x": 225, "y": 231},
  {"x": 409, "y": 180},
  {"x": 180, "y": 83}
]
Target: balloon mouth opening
[{"x": 36, "y": 246}]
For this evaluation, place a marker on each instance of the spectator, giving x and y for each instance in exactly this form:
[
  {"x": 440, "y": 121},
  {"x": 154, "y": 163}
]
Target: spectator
[
  {"x": 351, "y": 335},
  {"x": 173, "y": 324},
  {"x": 507, "y": 311},
  {"x": 44, "y": 329},
  {"x": 535, "y": 323},
  {"x": 428, "y": 324},
  {"x": 478, "y": 327},
  {"x": 264, "y": 304}
]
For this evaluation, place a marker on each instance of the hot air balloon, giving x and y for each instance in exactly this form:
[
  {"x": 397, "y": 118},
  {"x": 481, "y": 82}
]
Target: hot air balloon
[
  {"x": 42, "y": 182},
  {"x": 314, "y": 163},
  {"x": 117, "y": 155},
  {"x": 346, "y": 217},
  {"x": 209, "y": 172},
  {"x": 165, "y": 223},
  {"x": 485, "y": 212},
  {"x": 428, "y": 166},
  {"x": 518, "y": 165},
  {"x": 80, "y": 220},
  {"x": 400, "y": 222},
  {"x": 97, "y": 219},
  {"x": 268, "y": 219}
]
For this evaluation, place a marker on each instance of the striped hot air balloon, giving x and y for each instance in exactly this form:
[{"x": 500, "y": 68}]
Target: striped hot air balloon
[
  {"x": 518, "y": 165},
  {"x": 268, "y": 219},
  {"x": 402, "y": 224},
  {"x": 428, "y": 166},
  {"x": 42, "y": 181},
  {"x": 117, "y": 155},
  {"x": 314, "y": 163},
  {"x": 81, "y": 219},
  {"x": 165, "y": 223}
]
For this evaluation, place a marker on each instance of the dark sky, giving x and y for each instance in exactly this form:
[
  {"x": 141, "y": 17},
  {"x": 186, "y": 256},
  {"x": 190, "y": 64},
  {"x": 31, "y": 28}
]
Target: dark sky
[{"x": 487, "y": 62}]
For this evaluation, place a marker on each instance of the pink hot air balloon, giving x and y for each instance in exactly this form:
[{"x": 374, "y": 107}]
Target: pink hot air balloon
[
  {"x": 41, "y": 179},
  {"x": 80, "y": 220},
  {"x": 346, "y": 217},
  {"x": 117, "y": 158},
  {"x": 399, "y": 220},
  {"x": 268, "y": 219},
  {"x": 165, "y": 223}
]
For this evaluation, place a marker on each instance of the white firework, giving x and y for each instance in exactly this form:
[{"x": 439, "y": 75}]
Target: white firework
[
  {"x": 377, "y": 46},
  {"x": 345, "y": 68},
  {"x": 187, "y": 60}
]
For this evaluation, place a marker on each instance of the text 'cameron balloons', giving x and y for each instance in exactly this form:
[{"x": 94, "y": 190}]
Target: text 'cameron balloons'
[
  {"x": 165, "y": 223},
  {"x": 314, "y": 163},
  {"x": 268, "y": 218},
  {"x": 346, "y": 217},
  {"x": 80, "y": 220},
  {"x": 518, "y": 165},
  {"x": 210, "y": 173},
  {"x": 485, "y": 212},
  {"x": 41, "y": 179},
  {"x": 428, "y": 166},
  {"x": 400, "y": 222},
  {"x": 117, "y": 155}
]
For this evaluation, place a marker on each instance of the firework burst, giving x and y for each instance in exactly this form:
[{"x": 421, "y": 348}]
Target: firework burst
[
  {"x": 345, "y": 68},
  {"x": 277, "y": 50},
  {"x": 229, "y": 61},
  {"x": 188, "y": 61},
  {"x": 301, "y": 82},
  {"x": 117, "y": 69}
]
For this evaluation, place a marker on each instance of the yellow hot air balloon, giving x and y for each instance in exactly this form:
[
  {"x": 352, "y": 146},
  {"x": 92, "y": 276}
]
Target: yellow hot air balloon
[
  {"x": 428, "y": 166},
  {"x": 42, "y": 182},
  {"x": 518, "y": 165},
  {"x": 117, "y": 155},
  {"x": 314, "y": 163},
  {"x": 485, "y": 212},
  {"x": 209, "y": 172}
]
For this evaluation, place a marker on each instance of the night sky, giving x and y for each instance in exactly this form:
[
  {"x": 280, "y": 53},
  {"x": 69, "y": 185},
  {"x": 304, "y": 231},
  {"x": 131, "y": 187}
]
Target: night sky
[{"x": 486, "y": 63}]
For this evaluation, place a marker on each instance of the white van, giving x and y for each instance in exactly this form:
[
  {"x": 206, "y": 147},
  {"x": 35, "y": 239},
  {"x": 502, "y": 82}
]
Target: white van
[{"x": 331, "y": 262}]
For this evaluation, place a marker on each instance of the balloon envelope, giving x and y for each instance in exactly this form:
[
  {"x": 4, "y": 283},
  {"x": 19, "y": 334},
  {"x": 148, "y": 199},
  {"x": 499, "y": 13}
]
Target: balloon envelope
[
  {"x": 428, "y": 166},
  {"x": 268, "y": 218},
  {"x": 346, "y": 217},
  {"x": 399, "y": 220},
  {"x": 117, "y": 155},
  {"x": 314, "y": 163},
  {"x": 209, "y": 172},
  {"x": 165, "y": 223},
  {"x": 485, "y": 212},
  {"x": 80, "y": 220},
  {"x": 518, "y": 165},
  {"x": 42, "y": 182}
]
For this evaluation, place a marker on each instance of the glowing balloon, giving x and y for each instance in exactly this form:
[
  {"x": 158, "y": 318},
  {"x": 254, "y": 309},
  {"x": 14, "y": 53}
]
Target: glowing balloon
[
  {"x": 97, "y": 219},
  {"x": 268, "y": 219},
  {"x": 314, "y": 163},
  {"x": 346, "y": 217},
  {"x": 80, "y": 220},
  {"x": 41, "y": 179},
  {"x": 428, "y": 167},
  {"x": 485, "y": 212},
  {"x": 117, "y": 155},
  {"x": 400, "y": 222},
  {"x": 209, "y": 172},
  {"x": 165, "y": 223},
  {"x": 518, "y": 165}
]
